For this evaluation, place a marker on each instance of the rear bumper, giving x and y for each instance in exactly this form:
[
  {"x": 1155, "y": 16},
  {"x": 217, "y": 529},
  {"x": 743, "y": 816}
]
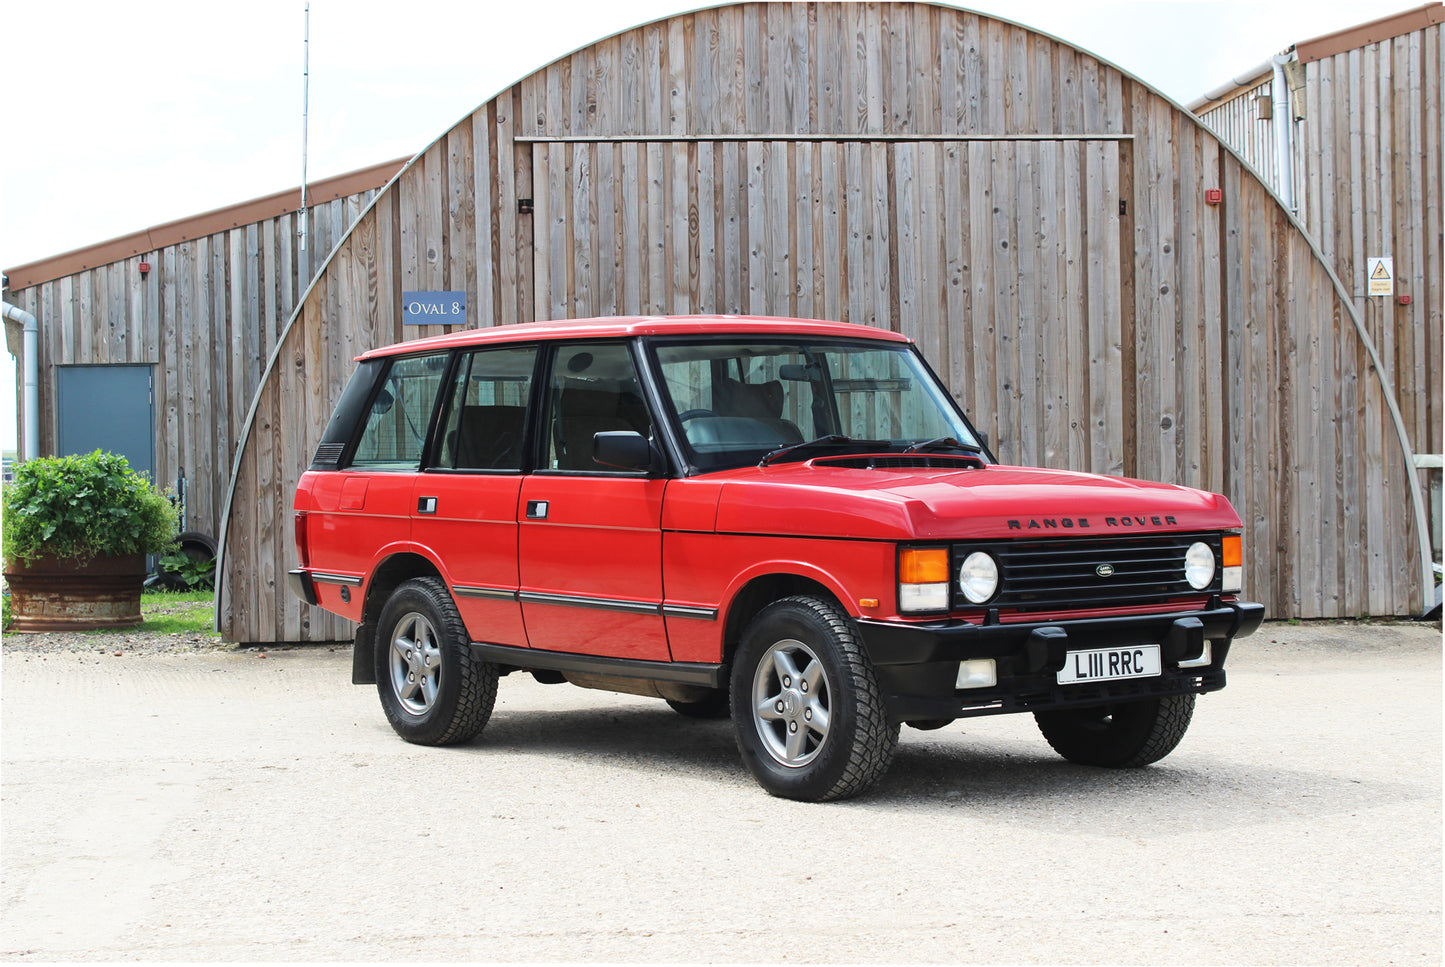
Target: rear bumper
[
  {"x": 917, "y": 663},
  {"x": 301, "y": 585}
]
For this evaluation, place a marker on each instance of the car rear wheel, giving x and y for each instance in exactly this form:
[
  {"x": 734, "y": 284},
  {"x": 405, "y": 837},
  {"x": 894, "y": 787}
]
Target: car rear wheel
[
  {"x": 433, "y": 690},
  {"x": 807, "y": 707},
  {"x": 1124, "y": 735}
]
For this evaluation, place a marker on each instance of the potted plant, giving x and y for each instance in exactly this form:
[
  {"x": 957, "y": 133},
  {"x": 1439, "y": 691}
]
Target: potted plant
[{"x": 77, "y": 530}]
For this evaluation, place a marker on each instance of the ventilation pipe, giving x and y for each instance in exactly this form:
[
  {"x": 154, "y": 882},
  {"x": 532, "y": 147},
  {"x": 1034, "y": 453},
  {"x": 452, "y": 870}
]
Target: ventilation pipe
[
  {"x": 1283, "y": 133},
  {"x": 29, "y": 356}
]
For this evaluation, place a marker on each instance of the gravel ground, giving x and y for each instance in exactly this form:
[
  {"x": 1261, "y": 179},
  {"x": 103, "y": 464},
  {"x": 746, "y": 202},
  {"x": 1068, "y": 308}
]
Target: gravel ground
[
  {"x": 222, "y": 806},
  {"x": 118, "y": 643}
]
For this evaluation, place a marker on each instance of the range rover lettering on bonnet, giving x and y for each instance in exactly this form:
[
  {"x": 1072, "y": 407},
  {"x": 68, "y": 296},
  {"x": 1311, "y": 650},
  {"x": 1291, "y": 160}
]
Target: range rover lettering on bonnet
[
  {"x": 785, "y": 522},
  {"x": 1054, "y": 523}
]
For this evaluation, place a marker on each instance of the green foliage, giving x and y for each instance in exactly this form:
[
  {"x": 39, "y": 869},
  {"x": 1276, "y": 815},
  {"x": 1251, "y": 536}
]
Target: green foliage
[
  {"x": 7, "y": 617},
  {"x": 189, "y": 571},
  {"x": 81, "y": 507}
]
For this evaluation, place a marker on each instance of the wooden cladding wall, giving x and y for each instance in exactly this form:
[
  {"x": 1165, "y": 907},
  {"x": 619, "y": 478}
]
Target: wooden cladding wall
[
  {"x": 207, "y": 316},
  {"x": 1033, "y": 217},
  {"x": 1373, "y": 161}
]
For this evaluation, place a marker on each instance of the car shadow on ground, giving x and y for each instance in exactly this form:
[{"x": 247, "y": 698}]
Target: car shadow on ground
[{"x": 942, "y": 770}]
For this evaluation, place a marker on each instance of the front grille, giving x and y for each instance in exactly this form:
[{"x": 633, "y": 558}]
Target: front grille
[{"x": 1063, "y": 574}]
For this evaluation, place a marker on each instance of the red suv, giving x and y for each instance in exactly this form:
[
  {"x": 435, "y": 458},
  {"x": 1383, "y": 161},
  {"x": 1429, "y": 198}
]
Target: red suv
[{"x": 789, "y": 522}]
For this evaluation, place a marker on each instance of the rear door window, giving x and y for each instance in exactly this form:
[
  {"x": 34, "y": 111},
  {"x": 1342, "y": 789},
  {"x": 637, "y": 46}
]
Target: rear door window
[{"x": 486, "y": 414}]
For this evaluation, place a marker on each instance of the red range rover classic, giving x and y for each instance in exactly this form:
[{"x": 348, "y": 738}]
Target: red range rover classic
[{"x": 785, "y": 521}]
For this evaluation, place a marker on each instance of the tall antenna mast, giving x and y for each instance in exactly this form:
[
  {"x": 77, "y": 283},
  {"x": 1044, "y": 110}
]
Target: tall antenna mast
[{"x": 305, "y": 104}]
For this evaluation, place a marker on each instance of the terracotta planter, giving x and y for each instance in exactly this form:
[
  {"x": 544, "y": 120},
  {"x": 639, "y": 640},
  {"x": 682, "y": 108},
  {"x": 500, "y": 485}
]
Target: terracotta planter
[{"x": 53, "y": 594}]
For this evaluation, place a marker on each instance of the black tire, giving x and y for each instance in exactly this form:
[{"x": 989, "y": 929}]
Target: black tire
[
  {"x": 434, "y": 692},
  {"x": 715, "y": 706},
  {"x": 1125, "y": 735},
  {"x": 800, "y": 666}
]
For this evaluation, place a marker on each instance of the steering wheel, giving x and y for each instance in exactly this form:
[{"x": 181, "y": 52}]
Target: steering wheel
[{"x": 694, "y": 414}]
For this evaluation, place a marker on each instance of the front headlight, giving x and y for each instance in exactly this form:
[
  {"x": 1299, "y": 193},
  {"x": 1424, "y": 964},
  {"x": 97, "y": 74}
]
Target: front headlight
[
  {"x": 1199, "y": 565},
  {"x": 978, "y": 577}
]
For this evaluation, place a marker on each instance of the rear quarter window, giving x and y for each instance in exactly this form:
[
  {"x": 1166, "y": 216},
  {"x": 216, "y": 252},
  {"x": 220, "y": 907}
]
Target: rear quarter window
[{"x": 396, "y": 424}]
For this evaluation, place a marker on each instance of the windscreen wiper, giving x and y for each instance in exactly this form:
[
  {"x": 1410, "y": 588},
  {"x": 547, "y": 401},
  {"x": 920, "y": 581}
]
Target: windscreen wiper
[
  {"x": 830, "y": 440},
  {"x": 944, "y": 443}
]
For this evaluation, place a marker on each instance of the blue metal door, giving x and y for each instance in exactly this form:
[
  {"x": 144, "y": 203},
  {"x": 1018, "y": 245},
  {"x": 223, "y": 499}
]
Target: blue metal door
[{"x": 108, "y": 408}]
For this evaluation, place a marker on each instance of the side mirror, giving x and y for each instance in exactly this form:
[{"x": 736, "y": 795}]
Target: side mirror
[{"x": 624, "y": 450}]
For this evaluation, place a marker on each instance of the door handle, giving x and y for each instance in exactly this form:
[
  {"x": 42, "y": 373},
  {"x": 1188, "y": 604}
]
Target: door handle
[
  {"x": 536, "y": 510},
  {"x": 426, "y": 505}
]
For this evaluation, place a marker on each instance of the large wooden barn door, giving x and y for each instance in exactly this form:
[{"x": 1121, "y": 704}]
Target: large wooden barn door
[{"x": 1000, "y": 257}]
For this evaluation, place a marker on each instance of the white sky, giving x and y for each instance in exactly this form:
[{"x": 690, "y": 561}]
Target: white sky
[{"x": 120, "y": 116}]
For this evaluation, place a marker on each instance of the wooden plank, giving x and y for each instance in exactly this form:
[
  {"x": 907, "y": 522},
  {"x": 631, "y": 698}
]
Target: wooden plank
[
  {"x": 960, "y": 334},
  {"x": 484, "y": 220},
  {"x": 460, "y": 220},
  {"x": 832, "y": 223},
  {"x": 706, "y": 213},
  {"x": 580, "y": 244},
  {"x": 655, "y": 298},
  {"x": 602, "y": 83},
  {"x": 610, "y": 233},
  {"x": 812, "y": 269},
  {"x": 263, "y": 591},
  {"x": 1031, "y": 228},
  {"x": 203, "y": 441},
  {"x": 752, "y": 100},
  {"x": 633, "y": 252},
  {"x": 507, "y": 219},
  {"x": 1052, "y": 367},
  {"x": 1433, "y": 294},
  {"x": 682, "y": 250},
  {"x": 544, "y": 216},
  {"x": 707, "y": 65},
  {"x": 1311, "y": 422},
  {"x": 908, "y": 226},
  {"x": 1072, "y": 305},
  {"x": 223, "y": 431},
  {"x": 759, "y": 162},
  {"x": 732, "y": 233},
  {"x": 981, "y": 185}
]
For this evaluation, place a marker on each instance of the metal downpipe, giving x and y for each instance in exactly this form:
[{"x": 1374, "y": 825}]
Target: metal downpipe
[{"x": 30, "y": 361}]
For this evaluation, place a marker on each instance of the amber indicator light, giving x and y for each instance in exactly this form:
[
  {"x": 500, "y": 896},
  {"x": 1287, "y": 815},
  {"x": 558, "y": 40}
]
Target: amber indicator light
[
  {"x": 1233, "y": 550},
  {"x": 923, "y": 565}
]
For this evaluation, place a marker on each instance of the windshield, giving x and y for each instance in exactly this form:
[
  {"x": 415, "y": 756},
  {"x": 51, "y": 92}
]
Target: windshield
[{"x": 736, "y": 403}]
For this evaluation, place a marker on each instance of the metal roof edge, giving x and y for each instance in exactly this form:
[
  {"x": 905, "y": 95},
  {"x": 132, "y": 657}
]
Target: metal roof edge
[
  {"x": 199, "y": 226},
  {"x": 1373, "y": 32}
]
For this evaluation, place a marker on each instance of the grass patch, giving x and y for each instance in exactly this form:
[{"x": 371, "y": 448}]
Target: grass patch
[{"x": 173, "y": 612}]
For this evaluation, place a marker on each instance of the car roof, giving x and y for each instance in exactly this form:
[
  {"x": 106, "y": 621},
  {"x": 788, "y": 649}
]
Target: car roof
[{"x": 624, "y": 326}]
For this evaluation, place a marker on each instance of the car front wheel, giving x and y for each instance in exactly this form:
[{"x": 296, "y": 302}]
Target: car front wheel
[
  {"x": 433, "y": 690},
  {"x": 807, "y": 707}
]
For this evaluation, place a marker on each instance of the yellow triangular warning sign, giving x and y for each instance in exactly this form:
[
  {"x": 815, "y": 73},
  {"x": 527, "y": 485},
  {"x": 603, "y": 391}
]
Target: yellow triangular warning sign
[{"x": 1380, "y": 271}]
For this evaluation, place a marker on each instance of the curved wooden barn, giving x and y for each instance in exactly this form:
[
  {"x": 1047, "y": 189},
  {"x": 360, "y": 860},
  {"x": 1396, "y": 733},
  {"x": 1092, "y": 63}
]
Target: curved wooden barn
[{"x": 1034, "y": 217}]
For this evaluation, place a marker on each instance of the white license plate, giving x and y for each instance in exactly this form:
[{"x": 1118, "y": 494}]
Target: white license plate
[{"x": 1110, "y": 664}]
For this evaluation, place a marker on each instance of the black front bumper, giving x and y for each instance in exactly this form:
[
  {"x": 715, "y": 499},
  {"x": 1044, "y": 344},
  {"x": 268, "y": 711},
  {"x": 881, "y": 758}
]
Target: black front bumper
[{"x": 917, "y": 663}]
